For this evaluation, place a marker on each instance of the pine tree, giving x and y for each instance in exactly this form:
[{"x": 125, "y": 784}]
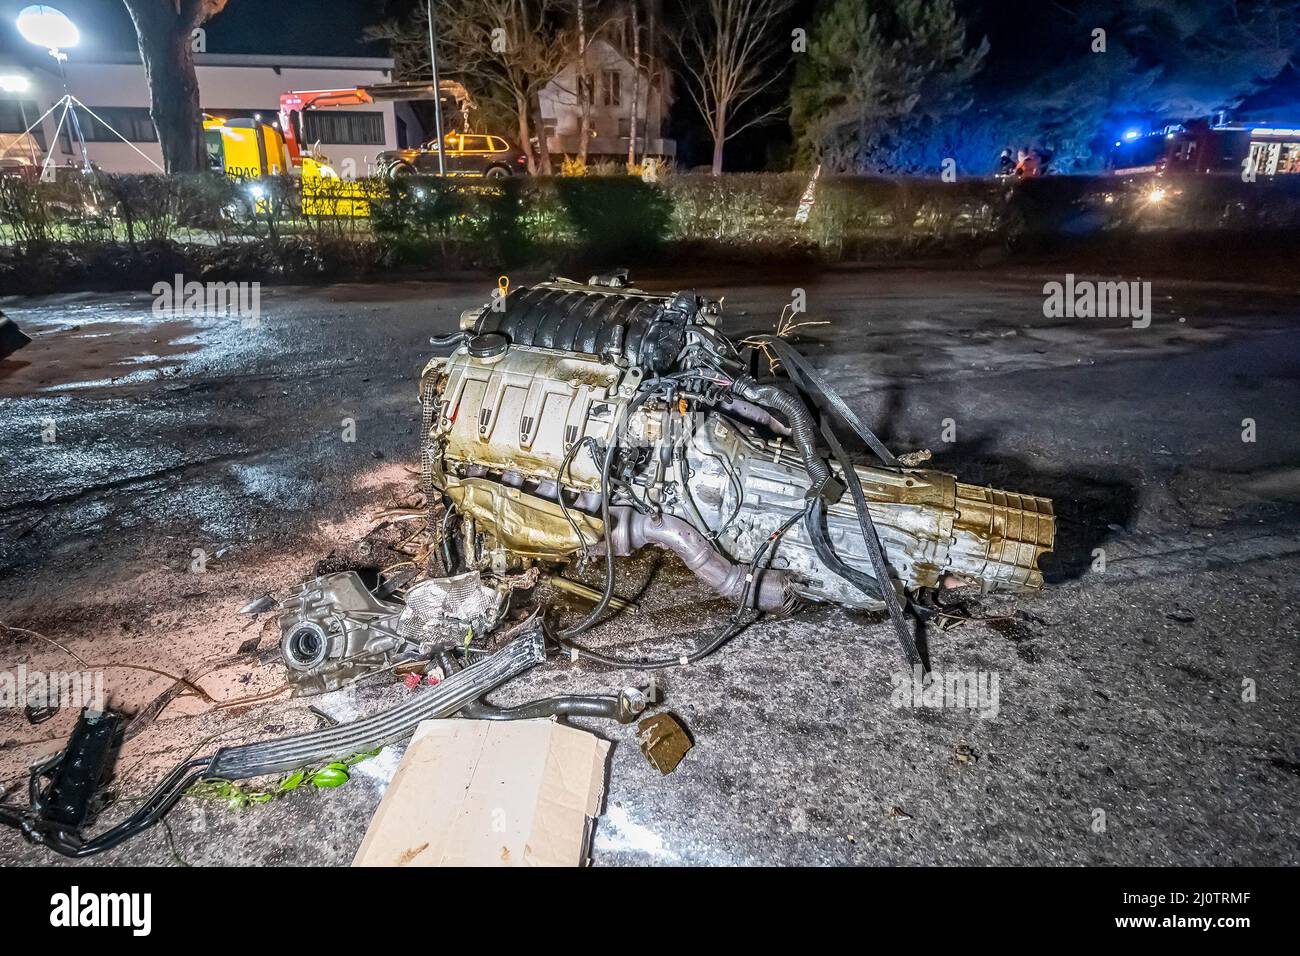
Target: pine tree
[{"x": 874, "y": 67}]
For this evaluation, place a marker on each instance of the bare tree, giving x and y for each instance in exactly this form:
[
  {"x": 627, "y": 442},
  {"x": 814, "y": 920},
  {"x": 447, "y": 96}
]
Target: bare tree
[
  {"x": 589, "y": 30},
  {"x": 636, "y": 83},
  {"x": 730, "y": 51},
  {"x": 504, "y": 49},
  {"x": 165, "y": 32}
]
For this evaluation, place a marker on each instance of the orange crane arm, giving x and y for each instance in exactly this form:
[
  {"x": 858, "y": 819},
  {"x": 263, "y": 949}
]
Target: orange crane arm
[{"x": 294, "y": 102}]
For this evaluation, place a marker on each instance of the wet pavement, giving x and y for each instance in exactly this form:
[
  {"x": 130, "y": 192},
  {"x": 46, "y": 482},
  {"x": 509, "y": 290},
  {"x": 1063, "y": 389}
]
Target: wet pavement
[{"x": 157, "y": 471}]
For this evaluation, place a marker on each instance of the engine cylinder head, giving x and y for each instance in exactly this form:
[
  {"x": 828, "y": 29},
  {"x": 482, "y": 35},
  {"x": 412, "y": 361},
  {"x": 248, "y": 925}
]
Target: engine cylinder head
[{"x": 644, "y": 329}]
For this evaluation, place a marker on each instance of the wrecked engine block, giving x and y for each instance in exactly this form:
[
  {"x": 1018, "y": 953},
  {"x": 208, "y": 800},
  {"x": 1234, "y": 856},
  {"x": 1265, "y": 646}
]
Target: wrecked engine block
[{"x": 571, "y": 418}]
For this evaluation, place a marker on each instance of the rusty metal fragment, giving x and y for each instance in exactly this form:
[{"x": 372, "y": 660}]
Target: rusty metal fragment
[{"x": 664, "y": 741}]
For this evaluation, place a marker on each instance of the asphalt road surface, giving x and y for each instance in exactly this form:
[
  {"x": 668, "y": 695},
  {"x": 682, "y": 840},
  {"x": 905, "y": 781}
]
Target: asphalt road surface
[{"x": 157, "y": 471}]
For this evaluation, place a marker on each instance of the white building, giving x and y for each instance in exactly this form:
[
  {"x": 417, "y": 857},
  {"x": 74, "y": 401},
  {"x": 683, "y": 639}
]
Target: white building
[
  {"x": 611, "y": 79},
  {"x": 230, "y": 85}
]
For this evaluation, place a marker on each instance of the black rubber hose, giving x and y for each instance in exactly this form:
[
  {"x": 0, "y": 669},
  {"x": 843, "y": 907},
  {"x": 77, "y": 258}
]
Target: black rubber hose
[
  {"x": 811, "y": 381},
  {"x": 803, "y": 431},
  {"x": 455, "y": 339},
  {"x": 608, "y": 591},
  {"x": 806, "y": 377},
  {"x": 814, "y": 522},
  {"x": 70, "y": 843},
  {"x": 564, "y": 705},
  {"x": 606, "y": 492}
]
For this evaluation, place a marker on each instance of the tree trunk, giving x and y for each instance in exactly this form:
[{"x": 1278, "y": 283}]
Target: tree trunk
[
  {"x": 164, "y": 38},
  {"x": 525, "y": 137},
  {"x": 636, "y": 87},
  {"x": 544, "y": 151},
  {"x": 174, "y": 103},
  {"x": 651, "y": 73},
  {"x": 584, "y": 92},
  {"x": 719, "y": 138}
]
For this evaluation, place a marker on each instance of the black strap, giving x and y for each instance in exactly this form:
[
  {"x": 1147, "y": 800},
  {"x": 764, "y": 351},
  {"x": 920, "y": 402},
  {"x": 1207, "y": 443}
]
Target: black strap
[
  {"x": 810, "y": 380},
  {"x": 897, "y": 615}
]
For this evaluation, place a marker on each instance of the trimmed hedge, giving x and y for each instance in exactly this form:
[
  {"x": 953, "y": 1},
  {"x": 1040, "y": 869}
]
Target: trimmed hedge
[{"x": 128, "y": 231}]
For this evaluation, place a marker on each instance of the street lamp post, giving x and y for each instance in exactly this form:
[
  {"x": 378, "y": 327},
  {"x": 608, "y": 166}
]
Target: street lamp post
[{"x": 437, "y": 95}]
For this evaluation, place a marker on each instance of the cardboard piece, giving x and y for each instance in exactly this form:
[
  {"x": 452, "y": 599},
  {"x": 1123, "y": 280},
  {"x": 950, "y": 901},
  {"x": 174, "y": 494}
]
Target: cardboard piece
[{"x": 490, "y": 793}]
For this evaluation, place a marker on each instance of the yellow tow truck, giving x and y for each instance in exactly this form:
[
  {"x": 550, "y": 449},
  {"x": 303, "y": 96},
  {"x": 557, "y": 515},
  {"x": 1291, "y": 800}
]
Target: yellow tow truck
[{"x": 247, "y": 149}]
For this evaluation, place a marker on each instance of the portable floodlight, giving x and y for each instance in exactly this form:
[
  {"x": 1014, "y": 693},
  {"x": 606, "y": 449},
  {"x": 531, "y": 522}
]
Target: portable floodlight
[
  {"x": 48, "y": 27},
  {"x": 45, "y": 26}
]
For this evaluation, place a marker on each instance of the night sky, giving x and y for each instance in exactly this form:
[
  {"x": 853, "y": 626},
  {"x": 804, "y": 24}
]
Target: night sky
[
  {"x": 334, "y": 28},
  {"x": 303, "y": 27}
]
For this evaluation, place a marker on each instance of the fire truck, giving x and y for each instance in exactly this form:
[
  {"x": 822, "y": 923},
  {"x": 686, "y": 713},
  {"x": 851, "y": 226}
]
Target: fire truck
[{"x": 1202, "y": 148}]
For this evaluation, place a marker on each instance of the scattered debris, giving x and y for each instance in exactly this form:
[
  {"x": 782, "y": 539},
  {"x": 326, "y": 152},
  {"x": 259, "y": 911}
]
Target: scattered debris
[
  {"x": 259, "y": 605},
  {"x": 336, "y": 630},
  {"x": 664, "y": 741},
  {"x": 76, "y": 777},
  {"x": 39, "y": 713},
  {"x": 544, "y": 443},
  {"x": 490, "y": 793},
  {"x": 333, "y": 774},
  {"x": 40, "y": 824},
  {"x": 323, "y": 717},
  {"x": 914, "y": 459}
]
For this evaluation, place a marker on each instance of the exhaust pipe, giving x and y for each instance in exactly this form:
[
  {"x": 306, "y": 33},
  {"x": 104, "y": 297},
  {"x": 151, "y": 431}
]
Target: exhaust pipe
[{"x": 633, "y": 530}]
